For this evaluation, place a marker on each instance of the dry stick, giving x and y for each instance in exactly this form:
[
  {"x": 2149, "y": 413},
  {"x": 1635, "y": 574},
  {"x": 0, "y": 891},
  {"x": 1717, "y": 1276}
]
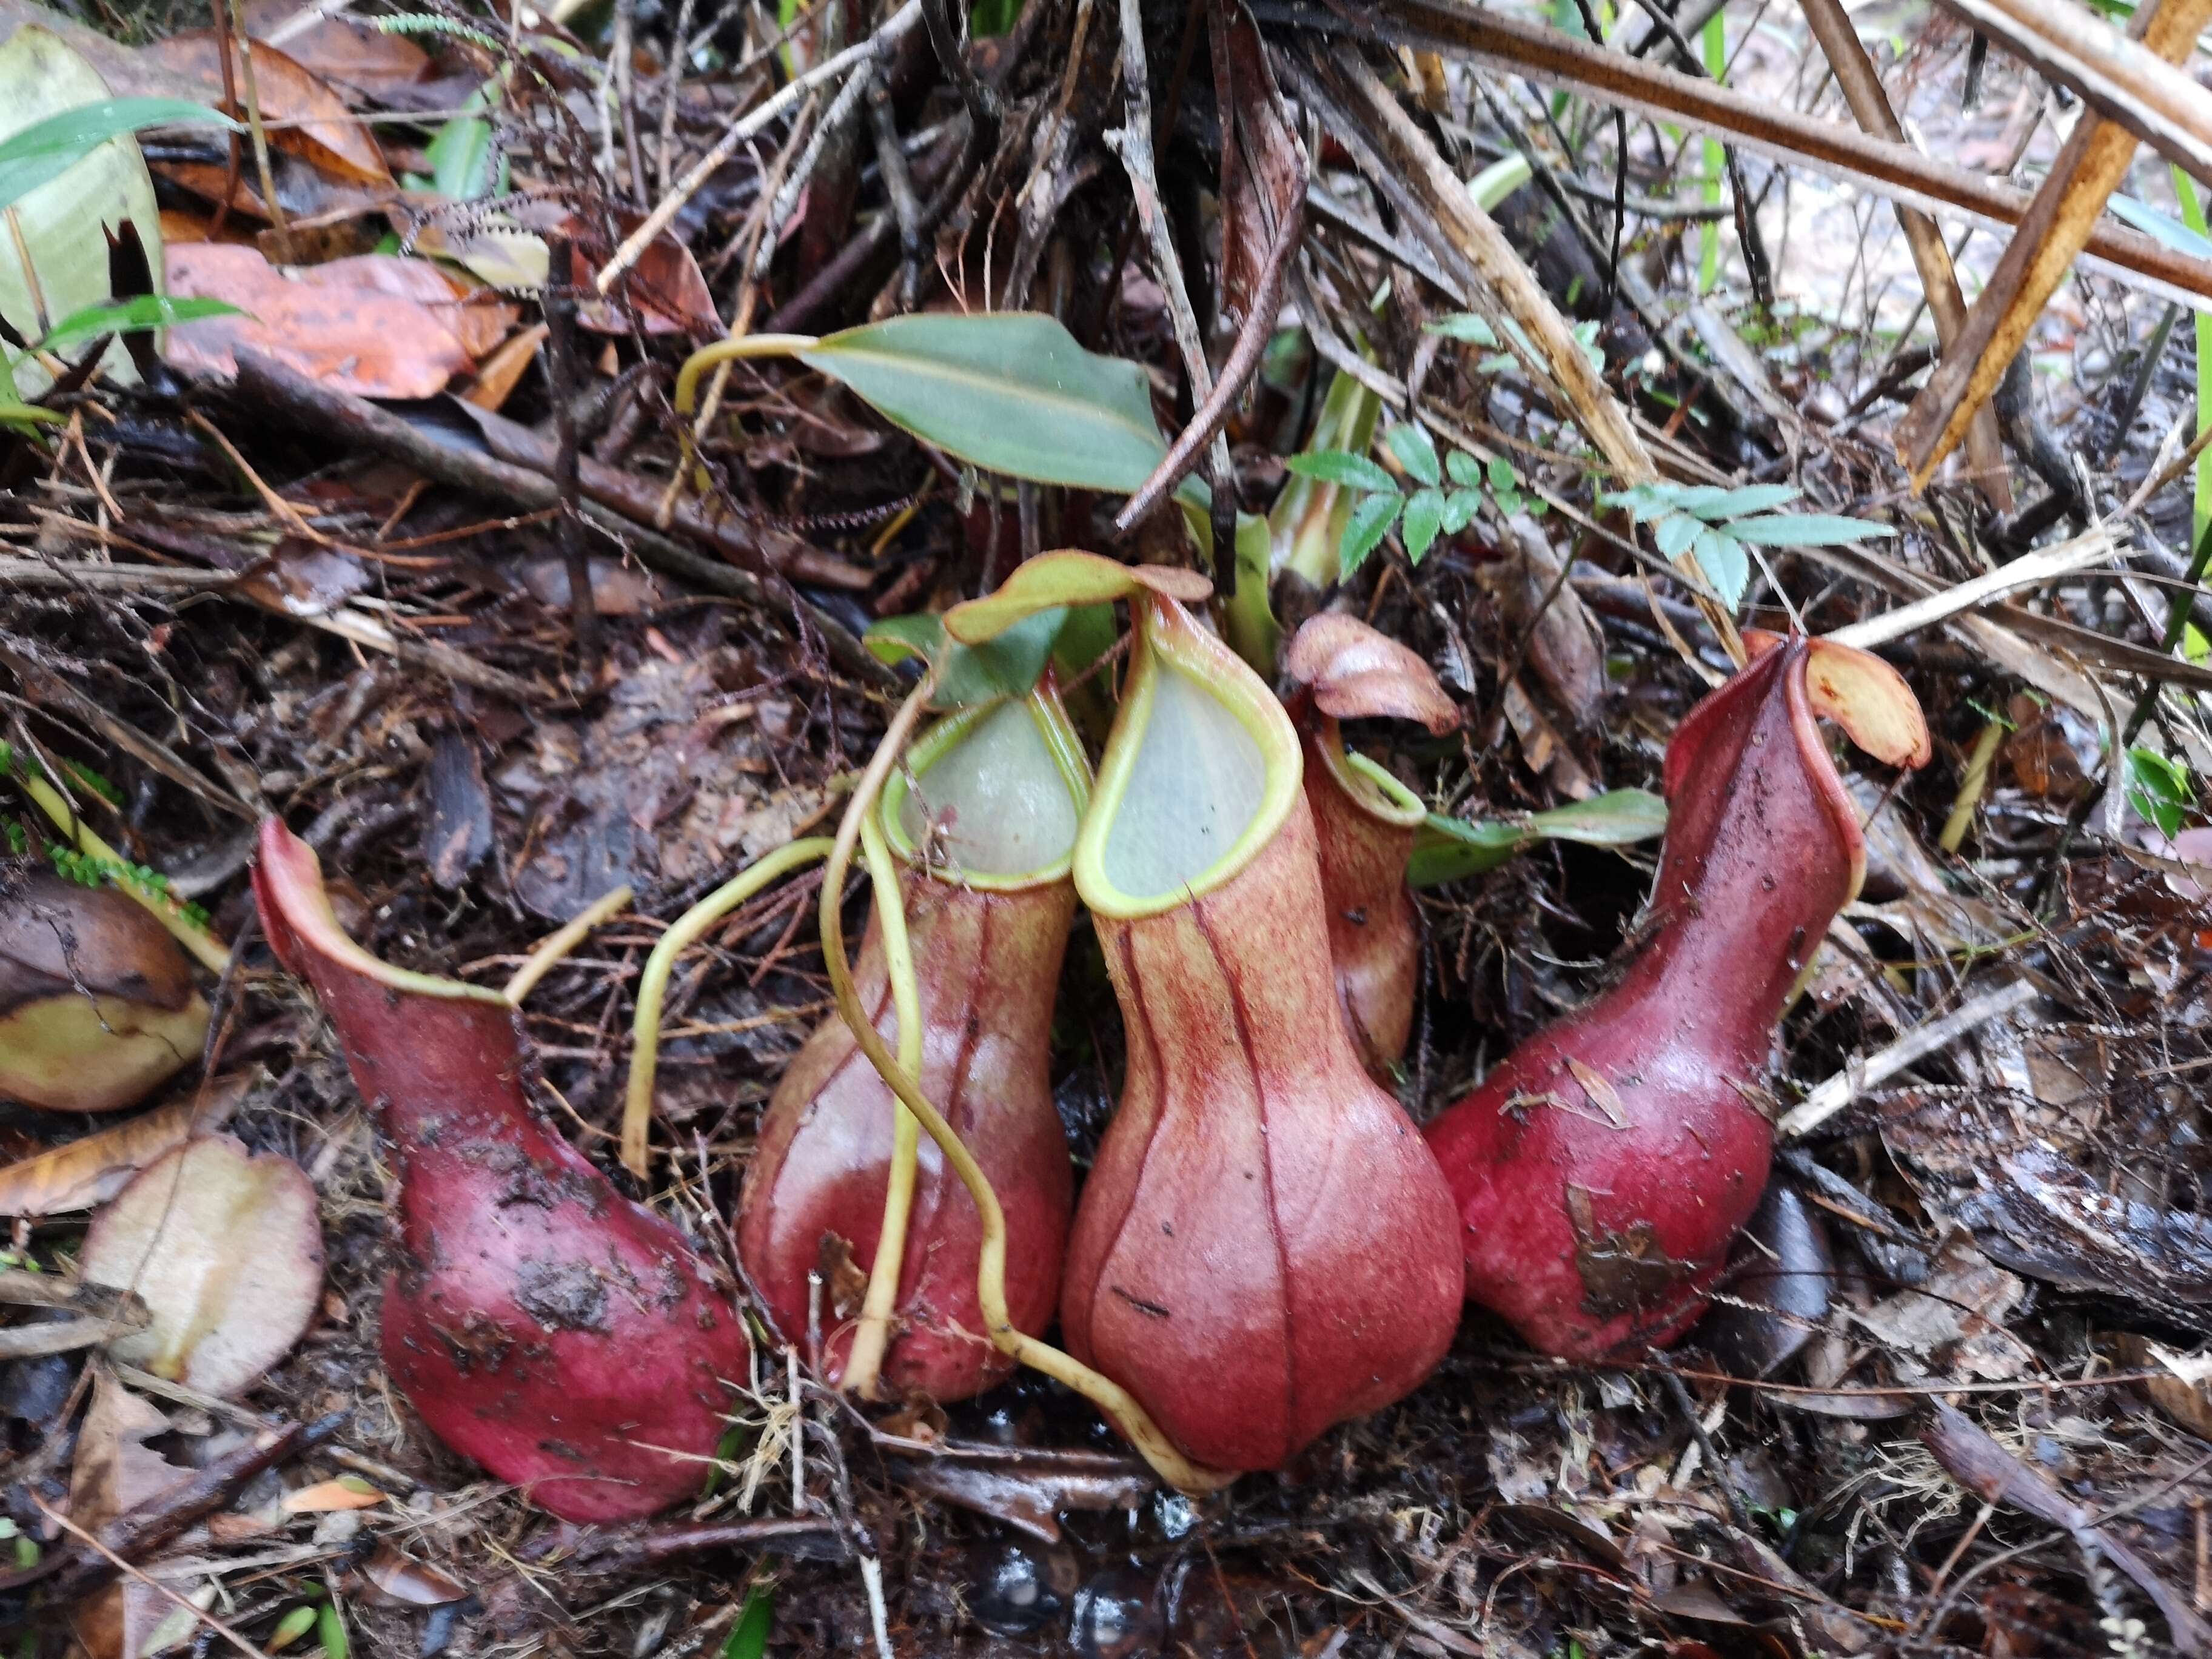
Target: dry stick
[
  {"x": 1244, "y": 362},
  {"x": 557, "y": 945},
  {"x": 652, "y": 984},
  {"x": 560, "y": 308},
  {"x": 1109, "y": 1397},
  {"x": 1931, "y": 257},
  {"x": 1898, "y": 171},
  {"x": 1839, "y": 1091},
  {"x": 1132, "y": 143},
  {"x": 359, "y": 423},
  {"x": 276, "y": 223},
  {"x": 141, "y": 1531},
  {"x": 200, "y": 1614},
  {"x": 2120, "y": 77},
  {"x": 2093, "y": 164},
  {"x": 728, "y": 145},
  {"x": 864, "y": 1363}
]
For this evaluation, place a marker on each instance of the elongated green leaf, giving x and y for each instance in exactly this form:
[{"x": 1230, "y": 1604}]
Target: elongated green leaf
[
  {"x": 1464, "y": 469},
  {"x": 1725, "y": 504},
  {"x": 1459, "y": 507},
  {"x": 1010, "y": 391},
  {"x": 23, "y": 414},
  {"x": 131, "y": 317},
  {"x": 1424, "y": 516},
  {"x": 2157, "y": 226},
  {"x": 1807, "y": 530},
  {"x": 1464, "y": 325},
  {"x": 1416, "y": 452},
  {"x": 46, "y": 149},
  {"x": 1337, "y": 466},
  {"x": 1446, "y": 850},
  {"x": 749, "y": 1640},
  {"x": 1369, "y": 524}
]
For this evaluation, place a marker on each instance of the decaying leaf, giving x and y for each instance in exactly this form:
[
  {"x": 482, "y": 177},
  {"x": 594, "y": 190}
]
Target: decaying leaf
[
  {"x": 94, "y": 1169},
  {"x": 226, "y": 1250},
  {"x": 376, "y": 325}
]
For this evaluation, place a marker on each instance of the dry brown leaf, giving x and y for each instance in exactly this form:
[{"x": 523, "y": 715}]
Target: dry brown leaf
[
  {"x": 336, "y": 48},
  {"x": 226, "y": 1249},
  {"x": 396, "y": 1581},
  {"x": 354, "y": 336},
  {"x": 327, "y": 135},
  {"x": 116, "y": 1470},
  {"x": 94, "y": 1170}
]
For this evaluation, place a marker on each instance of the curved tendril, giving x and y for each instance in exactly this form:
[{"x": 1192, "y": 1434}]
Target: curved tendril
[
  {"x": 713, "y": 356},
  {"x": 652, "y": 984},
  {"x": 548, "y": 955},
  {"x": 864, "y": 1365},
  {"x": 1109, "y": 1397}
]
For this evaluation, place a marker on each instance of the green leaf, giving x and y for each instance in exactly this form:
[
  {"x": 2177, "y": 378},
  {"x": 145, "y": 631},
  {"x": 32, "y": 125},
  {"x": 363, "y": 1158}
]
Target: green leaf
[
  {"x": 1424, "y": 516},
  {"x": 1446, "y": 850},
  {"x": 1365, "y": 531},
  {"x": 1464, "y": 325},
  {"x": 1011, "y": 392},
  {"x": 1716, "y": 506},
  {"x": 1006, "y": 665},
  {"x": 1500, "y": 473},
  {"x": 1459, "y": 507},
  {"x": 331, "y": 1631},
  {"x": 2160, "y": 228},
  {"x": 132, "y": 316},
  {"x": 46, "y": 149},
  {"x": 461, "y": 156},
  {"x": 1722, "y": 559},
  {"x": 1675, "y": 533},
  {"x": 1464, "y": 469},
  {"x": 2158, "y": 789},
  {"x": 1337, "y": 467},
  {"x": 1642, "y": 503},
  {"x": 749, "y": 1640},
  {"x": 1416, "y": 453},
  {"x": 18, "y": 414},
  {"x": 1807, "y": 530}
]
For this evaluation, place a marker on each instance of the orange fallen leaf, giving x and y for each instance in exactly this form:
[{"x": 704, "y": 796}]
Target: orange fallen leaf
[
  {"x": 499, "y": 374},
  {"x": 332, "y": 323},
  {"x": 346, "y": 1493},
  {"x": 305, "y": 116}
]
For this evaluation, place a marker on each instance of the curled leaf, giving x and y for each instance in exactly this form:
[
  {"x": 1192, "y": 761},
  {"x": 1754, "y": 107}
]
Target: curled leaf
[
  {"x": 1355, "y": 672},
  {"x": 1067, "y": 578}
]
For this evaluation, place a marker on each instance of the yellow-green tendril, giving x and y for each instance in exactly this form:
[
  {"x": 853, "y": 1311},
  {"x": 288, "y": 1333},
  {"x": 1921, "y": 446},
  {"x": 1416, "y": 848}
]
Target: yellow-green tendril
[
  {"x": 865, "y": 1363},
  {"x": 548, "y": 955},
  {"x": 212, "y": 949},
  {"x": 1109, "y": 1396},
  {"x": 713, "y": 356},
  {"x": 653, "y": 984}
]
